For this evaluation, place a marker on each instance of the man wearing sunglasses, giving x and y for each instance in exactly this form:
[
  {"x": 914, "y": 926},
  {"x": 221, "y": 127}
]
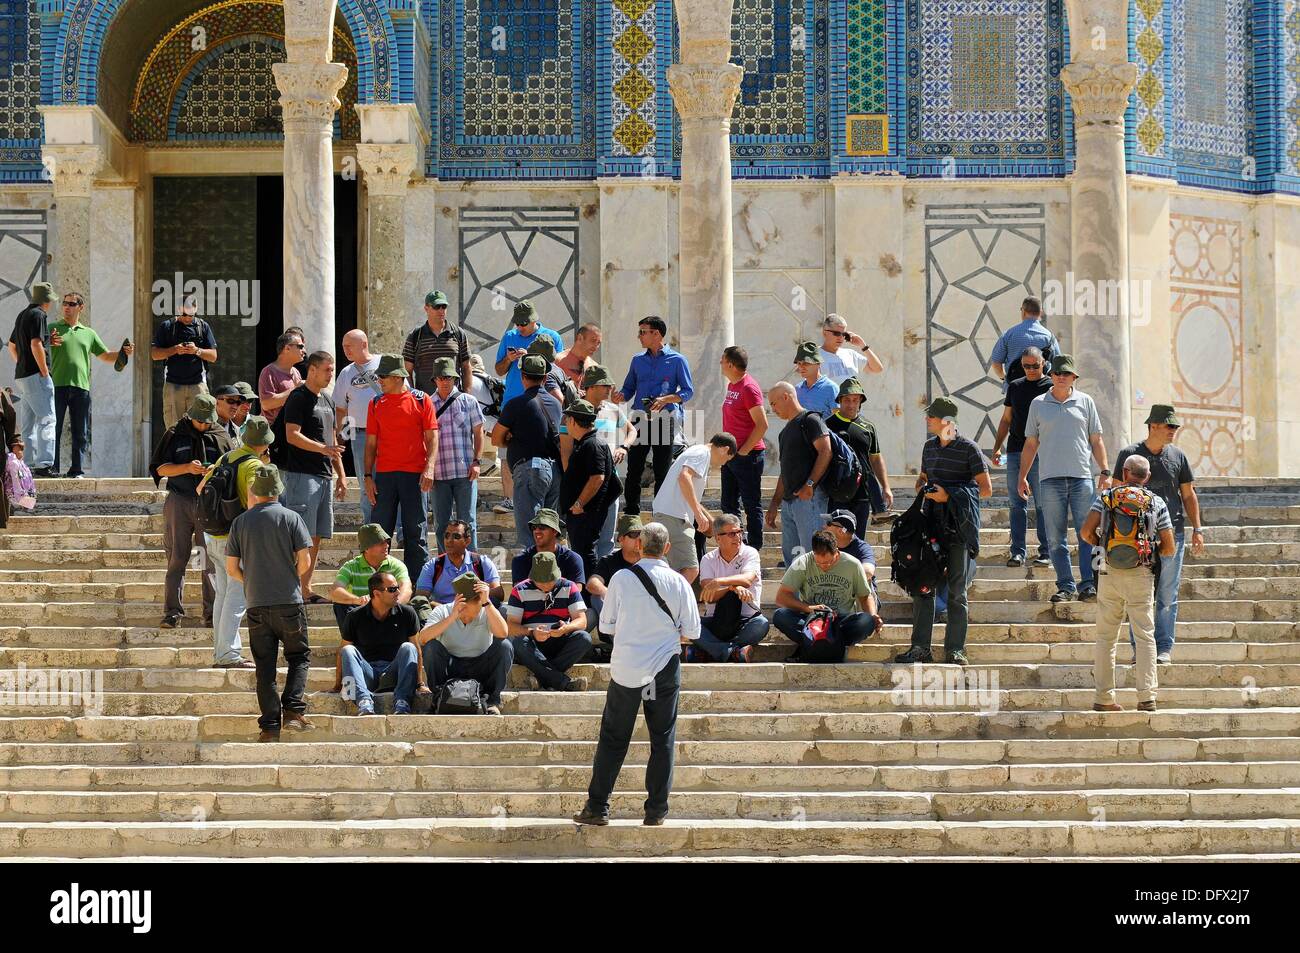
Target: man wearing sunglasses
[
  {"x": 1011, "y": 431},
  {"x": 228, "y": 403},
  {"x": 184, "y": 344},
  {"x": 281, "y": 377},
  {"x": 839, "y": 363},
  {"x": 456, "y": 559},
  {"x": 378, "y": 651}
]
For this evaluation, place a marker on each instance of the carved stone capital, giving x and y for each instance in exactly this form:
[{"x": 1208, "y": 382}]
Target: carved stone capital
[
  {"x": 308, "y": 29},
  {"x": 705, "y": 91},
  {"x": 309, "y": 91},
  {"x": 73, "y": 169},
  {"x": 1099, "y": 91},
  {"x": 387, "y": 167},
  {"x": 704, "y": 30}
]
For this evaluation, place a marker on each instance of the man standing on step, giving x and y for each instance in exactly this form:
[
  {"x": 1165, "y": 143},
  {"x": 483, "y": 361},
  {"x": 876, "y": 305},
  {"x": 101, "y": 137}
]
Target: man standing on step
[
  {"x": 269, "y": 551},
  {"x": 1008, "y": 353},
  {"x": 548, "y": 626},
  {"x": 805, "y": 445},
  {"x": 958, "y": 477},
  {"x": 1171, "y": 480},
  {"x": 839, "y": 352},
  {"x": 679, "y": 503},
  {"x": 435, "y": 340},
  {"x": 228, "y": 403},
  {"x": 229, "y": 603},
  {"x": 651, "y": 611},
  {"x": 1064, "y": 429},
  {"x": 589, "y": 485},
  {"x": 529, "y": 429},
  {"x": 281, "y": 377},
  {"x": 182, "y": 457},
  {"x": 27, "y": 346},
  {"x": 460, "y": 453},
  {"x": 860, "y": 434},
  {"x": 356, "y": 387},
  {"x": 1011, "y": 430},
  {"x": 815, "y": 392},
  {"x": 185, "y": 344},
  {"x": 745, "y": 418},
  {"x": 1127, "y": 587}
]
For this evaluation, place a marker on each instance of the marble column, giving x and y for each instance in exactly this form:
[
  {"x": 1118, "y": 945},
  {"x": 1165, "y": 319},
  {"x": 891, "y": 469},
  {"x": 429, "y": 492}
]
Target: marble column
[
  {"x": 704, "y": 87},
  {"x": 73, "y": 169},
  {"x": 1099, "y": 79},
  {"x": 309, "y": 98}
]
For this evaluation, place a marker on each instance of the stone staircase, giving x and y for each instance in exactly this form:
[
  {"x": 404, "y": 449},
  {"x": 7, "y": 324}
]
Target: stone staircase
[{"x": 774, "y": 760}]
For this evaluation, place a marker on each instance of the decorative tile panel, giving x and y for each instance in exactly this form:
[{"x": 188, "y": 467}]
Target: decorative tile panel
[
  {"x": 632, "y": 72},
  {"x": 984, "y": 79},
  {"x": 20, "y": 83},
  {"x": 1205, "y": 272},
  {"x": 1149, "y": 26},
  {"x": 868, "y": 76},
  {"x": 1211, "y": 71},
  {"x": 231, "y": 94},
  {"x": 868, "y": 135},
  {"x": 980, "y": 263},
  {"x": 1291, "y": 86}
]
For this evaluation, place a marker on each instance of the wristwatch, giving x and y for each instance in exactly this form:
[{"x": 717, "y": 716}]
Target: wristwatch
[
  {"x": 1105, "y": 473},
  {"x": 810, "y": 483}
]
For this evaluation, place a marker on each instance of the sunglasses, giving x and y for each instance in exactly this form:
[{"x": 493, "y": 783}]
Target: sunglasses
[
  {"x": 438, "y": 307},
  {"x": 232, "y": 401},
  {"x": 455, "y": 536},
  {"x": 838, "y": 334},
  {"x": 72, "y": 304},
  {"x": 1030, "y": 367},
  {"x": 387, "y": 588}
]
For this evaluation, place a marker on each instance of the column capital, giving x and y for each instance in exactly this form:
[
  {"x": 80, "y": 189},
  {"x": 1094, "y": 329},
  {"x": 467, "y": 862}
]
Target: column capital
[
  {"x": 704, "y": 30},
  {"x": 387, "y": 166},
  {"x": 73, "y": 168},
  {"x": 308, "y": 25},
  {"x": 1099, "y": 91},
  {"x": 309, "y": 91},
  {"x": 705, "y": 90}
]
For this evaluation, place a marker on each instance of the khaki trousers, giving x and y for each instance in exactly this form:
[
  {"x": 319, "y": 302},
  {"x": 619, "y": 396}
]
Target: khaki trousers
[
  {"x": 176, "y": 400},
  {"x": 1125, "y": 593}
]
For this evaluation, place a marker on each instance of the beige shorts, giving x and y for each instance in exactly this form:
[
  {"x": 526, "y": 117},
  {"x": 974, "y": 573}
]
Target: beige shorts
[{"x": 681, "y": 555}]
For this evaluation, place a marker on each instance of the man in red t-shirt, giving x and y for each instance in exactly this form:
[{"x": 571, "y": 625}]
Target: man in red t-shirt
[
  {"x": 401, "y": 449},
  {"x": 744, "y": 417}
]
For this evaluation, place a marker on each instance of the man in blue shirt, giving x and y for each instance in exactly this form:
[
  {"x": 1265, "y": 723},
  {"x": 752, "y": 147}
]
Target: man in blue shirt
[
  {"x": 815, "y": 393},
  {"x": 514, "y": 345},
  {"x": 658, "y": 383},
  {"x": 1005, "y": 359}
]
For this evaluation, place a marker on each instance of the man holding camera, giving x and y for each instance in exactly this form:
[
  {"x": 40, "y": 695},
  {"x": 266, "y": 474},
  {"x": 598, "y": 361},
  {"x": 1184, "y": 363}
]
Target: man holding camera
[{"x": 548, "y": 626}]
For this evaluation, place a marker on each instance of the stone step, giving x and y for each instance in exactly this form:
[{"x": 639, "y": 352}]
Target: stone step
[{"x": 503, "y": 836}]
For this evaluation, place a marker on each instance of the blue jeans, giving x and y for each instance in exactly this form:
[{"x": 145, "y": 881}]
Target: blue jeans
[
  {"x": 36, "y": 419},
  {"x": 537, "y": 486},
  {"x": 799, "y": 520},
  {"x": 366, "y": 677},
  {"x": 1064, "y": 498},
  {"x": 742, "y": 488},
  {"x": 1171, "y": 575},
  {"x": 75, "y": 402},
  {"x": 400, "y": 492},
  {"x": 359, "y": 465},
  {"x": 463, "y": 493},
  {"x": 846, "y": 630},
  {"x": 751, "y": 632},
  {"x": 605, "y": 545},
  {"x": 228, "y": 605},
  {"x": 1020, "y": 507}
]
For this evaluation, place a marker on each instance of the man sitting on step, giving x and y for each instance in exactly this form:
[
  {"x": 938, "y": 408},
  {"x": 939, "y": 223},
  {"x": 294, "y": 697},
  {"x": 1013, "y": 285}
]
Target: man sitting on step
[
  {"x": 352, "y": 584},
  {"x": 821, "y": 580},
  {"x": 545, "y": 526},
  {"x": 1125, "y": 556},
  {"x": 548, "y": 623},
  {"x": 628, "y": 554},
  {"x": 731, "y": 589},
  {"x": 442, "y": 570},
  {"x": 378, "y": 651},
  {"x": 467, "y": 638}
]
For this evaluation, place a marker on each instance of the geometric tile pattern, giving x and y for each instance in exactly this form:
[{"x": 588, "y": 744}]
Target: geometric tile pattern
[
  {"x": 1205, "y": 284},
  {"x": 1149, "y": 27},
  {"x": 509, "y": 254},
  {"x": 632, "y": 62},
  {"x": 868, "y": 74},
  {"x": 984, "y": 79},
  {"x": 1291, "y": 85},
  {"x": 23, "y": 241},
  {"x": 232, "y": 93},
  {"x": 980, "y": 263},
  {"x": 867, "y": 135},
  {"x": 20, "y": 83},
  {"x": 1211, "y": 70}
]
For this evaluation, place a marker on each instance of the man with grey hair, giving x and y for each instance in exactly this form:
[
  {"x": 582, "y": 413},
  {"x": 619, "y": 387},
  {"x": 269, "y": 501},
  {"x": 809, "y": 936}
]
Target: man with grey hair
[
  {"x": 651, "y": 611},
  {"x": 731, "y": 588},
  {"x": 839, "y": 363},
  {"x": 1011, "y": 431}
]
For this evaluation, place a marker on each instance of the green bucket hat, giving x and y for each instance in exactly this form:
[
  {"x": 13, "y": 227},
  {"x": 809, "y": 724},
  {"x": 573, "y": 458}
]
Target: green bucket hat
[
  {"x": 543, "y": 346},
  {"x": 203, "y": 409},
  {"x": 629, "y": 523},
  {"x": 245, "y": 390},
  {"x": 596, "y": 376},
  {"x": 435, "y": 299},
  {"x": 257, "y": 432},
  {"x": 391, "y": 365},
  {"x": 808, "y": 353},
  {"x": 1163, "y": 414},
  {"x": 372, "y": 534},
  {"x": 524, "y": 313},
  {"x": 582, "y": 412},
  {"x": 266, "y": 481},
  {"x": 545, "y": 568},
  {"x": 534, "y": 365},
  {"x": 1063, "y": 364},
  {"x": 851, "y": 386},
  {"x": 943, "y": 408},
  {"x": 445, "y": 367},
  {"x": 546, "y": 517},
  {"x": 42, "y": 293},
  {"x": 465, "y": 584}
]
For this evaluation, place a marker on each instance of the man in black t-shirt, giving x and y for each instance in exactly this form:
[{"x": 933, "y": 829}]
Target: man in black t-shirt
[
  {"x": 860, "y": 434},
  {"x": 626, "y": 555},
  {"x": 529, "y": 428},
  {"x": 805, "y": 446},
  {"x": 183, "y": 343},
  {"x": 312, "y": 456},
  {"x": 1011, "y": 431},
  {"x": 29, "y": 347},
  {"x": 376, "y": 653},
  {"x": 586, "y": 488}
]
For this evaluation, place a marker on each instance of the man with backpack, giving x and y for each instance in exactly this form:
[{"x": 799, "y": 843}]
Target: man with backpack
[
  {"x": 1130, "y": 527},
  {"x": 456, "y": 559},
  {"x": 825, "y": 603},
  {"x": 860, "y": 434},
  {"x": 182, "y": 457},
  {"x": 184, "y": 344},
  {"x": 678, "y": 504},
  {"x": 529, "y": 429},
  {"x": 1011, "y": 344},
  {"x": 954, "y": 477},
  {"x": 589, "y": 485},
  {"x": 434, "y": 340},
  {"x": 806, "y": 452},
  {"x": 223, "y": 495},
  {"x": 467, "y": 638}
]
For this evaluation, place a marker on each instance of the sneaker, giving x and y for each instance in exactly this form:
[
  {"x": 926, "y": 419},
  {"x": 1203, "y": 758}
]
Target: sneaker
[
  {"x": 741, "y": 653},
  {"x": 268, "y": 735},
  {"x": 592, "y": 818},
  {"x": 1163, "y": 658},
  {"x": 492, "y": 710},
  {"x": 170, "y": 620},
  {"x": 914, "y": 654},
  {"x": 958, "y": 657},
  {"x": 365, "y": 707},
  {"x": 1042, "y": 561},
  {"x": 74, "y": 476},
  {"x": 45, "y": 473},
  {"x": 489, "y": 469},
  {"x": 1063, "y": 595},
  {"x": 578, "y": 683},
  {"x": 1088, "y": 595},
  {"x": 1110, "y": 707},
  {"x": 505, "y": 506},
  {"x": 401, "y": 708},
  {"x": 242, "y": 663},
  {"x": 654, "y": 820},
  {"x": 297, "y": 721},
  {"x": 1015, "y": 562}
]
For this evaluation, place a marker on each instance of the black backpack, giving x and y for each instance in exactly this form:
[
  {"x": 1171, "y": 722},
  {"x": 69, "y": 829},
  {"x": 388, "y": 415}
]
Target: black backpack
[
  {"x": 219, "y": 501},
  {"x": 496, "y": 389},
  {"x": 843, "y": 477},
  {"x": 460, "y": 696},
  {"x": 918, "y": 558}
]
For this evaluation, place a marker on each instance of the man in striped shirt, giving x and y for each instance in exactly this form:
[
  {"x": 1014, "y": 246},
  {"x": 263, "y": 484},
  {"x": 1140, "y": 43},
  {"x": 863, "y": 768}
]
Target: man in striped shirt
[
  {"x": 435, "y": 339},
  {"x": 460, "y": 446},
  {"x": 548, "y": 622}
]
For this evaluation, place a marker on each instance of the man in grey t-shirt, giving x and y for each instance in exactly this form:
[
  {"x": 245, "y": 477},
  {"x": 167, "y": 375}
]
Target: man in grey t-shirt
[
  {"x": 467, "y": 638},
  {"x": 268, "y": 550}
]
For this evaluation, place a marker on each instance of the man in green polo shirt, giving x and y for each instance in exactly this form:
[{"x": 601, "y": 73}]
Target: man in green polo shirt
[
  {"x": 352, "y": 584},
  {"x": 73, "y": 345}
]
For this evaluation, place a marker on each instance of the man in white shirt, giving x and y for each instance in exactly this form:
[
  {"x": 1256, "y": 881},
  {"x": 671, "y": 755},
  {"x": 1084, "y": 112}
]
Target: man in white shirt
[
  {"x": 644, "y": 669},
  {"x": 839, "y": 363},
  {"x": 677, "y": 504},
  {"x": 731, "y": 588},
  {"x": 356, "y": 385}
]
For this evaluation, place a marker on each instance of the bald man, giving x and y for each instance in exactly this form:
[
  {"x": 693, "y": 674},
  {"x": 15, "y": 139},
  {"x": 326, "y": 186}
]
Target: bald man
[{"x": 356, "y": 385}]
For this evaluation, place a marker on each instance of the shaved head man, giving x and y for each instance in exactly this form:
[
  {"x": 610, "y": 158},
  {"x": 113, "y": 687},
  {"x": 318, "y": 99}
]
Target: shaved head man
[{"x": 356, "y": 384}]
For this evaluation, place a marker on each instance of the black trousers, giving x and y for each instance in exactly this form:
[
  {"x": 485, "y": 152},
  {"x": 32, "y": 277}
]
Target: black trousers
[
  {"x": 616, "y": 725},
  {"x": 268, "y": 627},
  {"x": 584, "y": 534},
  {"x": 491, "y": 669},
  {"x": 658, "y": 433},
  {"x": 550, "y": 660}
]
